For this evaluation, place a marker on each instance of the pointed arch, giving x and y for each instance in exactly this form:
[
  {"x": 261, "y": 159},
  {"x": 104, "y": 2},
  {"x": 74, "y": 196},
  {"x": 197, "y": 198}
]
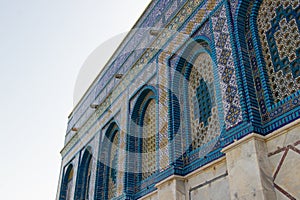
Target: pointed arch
[
  {"x": 107, "y": 181},
  {"x": 84, "y": 175},
  {"x": 67, "y": 184},
  {"x": 195, "y": 86},
  {"x": 142, "y": 141},
  {"x": 112, "y": 170},
  {"x": 267, "y": 33}
]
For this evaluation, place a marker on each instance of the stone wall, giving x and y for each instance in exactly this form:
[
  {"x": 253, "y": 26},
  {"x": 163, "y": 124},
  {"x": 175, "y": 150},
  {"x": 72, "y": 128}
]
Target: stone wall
[
  {"x": 283, "y": 148},
  {"x": 255, "y": 167}
]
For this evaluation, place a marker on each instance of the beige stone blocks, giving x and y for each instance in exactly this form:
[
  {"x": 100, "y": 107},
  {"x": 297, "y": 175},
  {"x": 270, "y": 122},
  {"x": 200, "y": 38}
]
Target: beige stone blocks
[{"x": 249, "y": 169}]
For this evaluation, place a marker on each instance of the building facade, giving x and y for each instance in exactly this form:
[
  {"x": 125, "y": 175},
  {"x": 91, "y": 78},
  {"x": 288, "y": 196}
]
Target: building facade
[{"x": 200, "y": 101}]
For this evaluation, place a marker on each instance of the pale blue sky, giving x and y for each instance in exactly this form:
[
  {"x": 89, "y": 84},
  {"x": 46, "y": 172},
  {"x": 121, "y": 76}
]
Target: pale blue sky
[{"x": 43, "y": 44}]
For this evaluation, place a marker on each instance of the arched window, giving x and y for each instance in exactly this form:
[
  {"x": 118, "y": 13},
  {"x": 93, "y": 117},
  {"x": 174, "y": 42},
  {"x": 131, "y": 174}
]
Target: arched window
[
  {"x": 67, "y": 183},
  {"x": 195, "y": 87},
  {"x": 113, "y": 164},
  {"x": 204, "y": 123},
  {"x": 142, "y": 141},
  {"x": 84, "y": 176},
  {"x": 108, "y": 185}
]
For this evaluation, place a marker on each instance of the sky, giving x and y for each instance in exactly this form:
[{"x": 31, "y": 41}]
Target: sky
[{"x": 43, "y": 46}]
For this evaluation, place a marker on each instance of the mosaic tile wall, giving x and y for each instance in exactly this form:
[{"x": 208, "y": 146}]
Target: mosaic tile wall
[
  {"x": 113, "y": 171},
  {"x": 108, "y": 172},
  {"x": 125, "y": 56},
  {"x": 122, "y": 147},
  {"x": 204, "y": 118},
  {"x": 163, "y": 126},
  {"x": 149, "y": 141},
  {"x": 182, "y": 117},
  {"x": 262, "y": 50},
  {"x": 68, "y": 192},
  {"x": 226, "y": 68},
  {"x": 277, "y": 24},
  {"x": 272, "y": 41},
  {"x": 95, "y": 152}
]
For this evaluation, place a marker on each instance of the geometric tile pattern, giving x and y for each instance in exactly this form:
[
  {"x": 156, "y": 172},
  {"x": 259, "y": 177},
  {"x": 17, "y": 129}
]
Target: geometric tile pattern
[
  {"x": 204, "y": 30},
  {"x": 182, "y": 115},
  {"x": 231, "y": 101},
  {"x": 203, "y": 102},
  {"x": 278, "y": 27},
  {"x": 149, "y": 141},
  {"x": 164, "y": 158},
  {"x": 233, "y": 6},
  {"x": 122, "y": 149},
  {"x": 273, "y": 20},
  {"x": 256, "y": 73},
  {"x": 204, "y": 119}
]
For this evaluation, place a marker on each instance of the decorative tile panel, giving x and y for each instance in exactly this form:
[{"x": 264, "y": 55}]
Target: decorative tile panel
[
  {"x": 231, "y": 101},
  {"x": 278, "y": 28},
  {"x": 113, "y": 168},
  {"x": 163, "y": 105},
  {"x": 276, "y": 73},
  {"x": 205, "y": 124},
  {"x": 149, "y": 141}
]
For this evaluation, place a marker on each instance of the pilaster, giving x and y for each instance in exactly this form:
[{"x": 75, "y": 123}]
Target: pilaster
[
  {"x": 172, "y": 188},
  {"x": 250, "y": 174}
]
